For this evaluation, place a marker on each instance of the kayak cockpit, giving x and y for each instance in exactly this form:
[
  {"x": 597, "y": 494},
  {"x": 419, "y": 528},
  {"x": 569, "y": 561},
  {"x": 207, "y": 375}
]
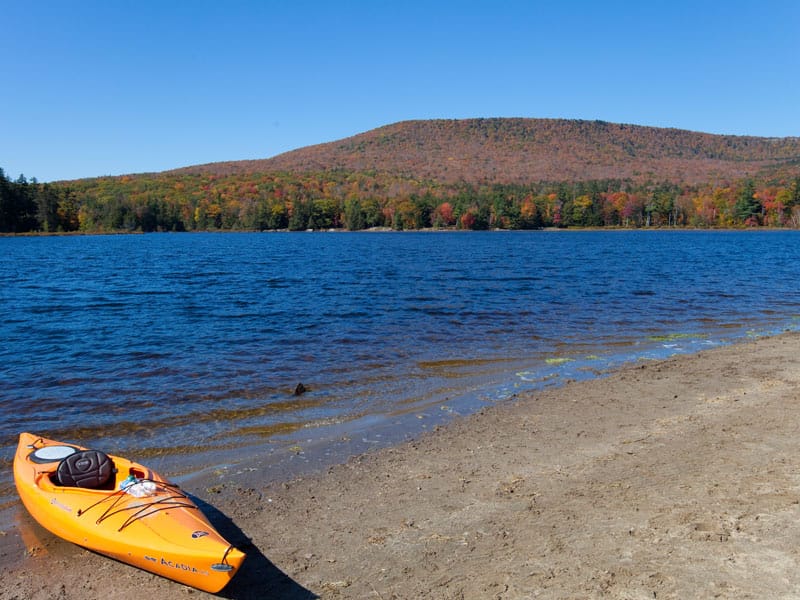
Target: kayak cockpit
[
  {"x": 89, "y": 469},
  {"x": 69, "y": 466}
]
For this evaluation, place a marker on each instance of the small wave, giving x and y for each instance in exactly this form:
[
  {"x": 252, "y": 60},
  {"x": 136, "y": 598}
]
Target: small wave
[{"x": 558, "y": 360}]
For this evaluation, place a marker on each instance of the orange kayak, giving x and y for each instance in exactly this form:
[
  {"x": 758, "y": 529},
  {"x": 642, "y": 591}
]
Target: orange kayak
[{"x": 123, "y": 510}]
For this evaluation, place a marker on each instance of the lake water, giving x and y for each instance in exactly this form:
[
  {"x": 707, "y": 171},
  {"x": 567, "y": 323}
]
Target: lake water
[{"x": 184, "y": 350}]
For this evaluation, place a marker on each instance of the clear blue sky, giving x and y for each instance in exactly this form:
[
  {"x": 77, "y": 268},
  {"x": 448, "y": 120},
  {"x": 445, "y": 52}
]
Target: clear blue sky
[{"x": 110, "y": 87}]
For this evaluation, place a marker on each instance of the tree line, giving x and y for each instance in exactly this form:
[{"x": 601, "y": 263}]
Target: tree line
[
  {"x": 27, "y": 206},
  {"x": 361, "y": 200}
]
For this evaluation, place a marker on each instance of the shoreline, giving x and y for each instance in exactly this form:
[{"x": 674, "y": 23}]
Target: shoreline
[
  {"x": 675, "y": 478},
  {"x": 391, "y": 230}
]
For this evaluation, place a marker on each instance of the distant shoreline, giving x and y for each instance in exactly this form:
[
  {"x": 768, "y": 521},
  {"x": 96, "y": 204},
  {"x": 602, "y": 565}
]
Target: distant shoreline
[{"x": 388, "y": 230}]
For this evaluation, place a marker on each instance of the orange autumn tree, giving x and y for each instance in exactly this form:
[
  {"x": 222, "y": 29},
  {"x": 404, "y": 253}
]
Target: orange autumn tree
[{"x": 443, "y": 215}]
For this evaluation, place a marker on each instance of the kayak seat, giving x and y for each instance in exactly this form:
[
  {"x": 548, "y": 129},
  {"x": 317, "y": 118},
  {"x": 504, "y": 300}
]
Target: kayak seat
[{"x": 86, "y": 469}]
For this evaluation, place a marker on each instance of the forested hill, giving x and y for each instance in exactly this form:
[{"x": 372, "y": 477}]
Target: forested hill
[
  {"x": 456, "y": 174},
  {"x": 506, "y": 150}
]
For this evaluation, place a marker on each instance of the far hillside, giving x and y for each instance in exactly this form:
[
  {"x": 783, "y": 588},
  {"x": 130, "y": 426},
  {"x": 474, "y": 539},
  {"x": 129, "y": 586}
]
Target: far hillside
[
  {"x": 444, "y": 174},
  {"x": 531, "y": 150}
]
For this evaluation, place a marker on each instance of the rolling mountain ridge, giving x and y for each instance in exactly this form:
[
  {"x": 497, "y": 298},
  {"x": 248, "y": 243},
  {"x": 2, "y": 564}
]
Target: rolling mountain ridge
[
  {"x": 466, "y": 174},
  {"x": 521, "y": 150}
]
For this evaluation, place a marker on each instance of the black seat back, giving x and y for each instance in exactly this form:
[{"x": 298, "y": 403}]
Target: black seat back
[{"x": 85, "y": 469}]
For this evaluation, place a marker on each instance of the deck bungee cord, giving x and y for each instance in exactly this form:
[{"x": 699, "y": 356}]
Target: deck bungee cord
[{"x": 156, "y": 504}]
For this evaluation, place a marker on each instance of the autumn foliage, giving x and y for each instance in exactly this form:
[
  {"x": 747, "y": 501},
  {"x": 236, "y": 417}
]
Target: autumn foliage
[
  {"x": 399, "y": 177},
  {"x": 521, "y": 151}
]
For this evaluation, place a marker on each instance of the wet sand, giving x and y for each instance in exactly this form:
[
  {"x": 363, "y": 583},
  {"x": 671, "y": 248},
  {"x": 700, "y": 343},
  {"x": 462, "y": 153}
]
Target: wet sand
[{"x": 670, "y": 479}]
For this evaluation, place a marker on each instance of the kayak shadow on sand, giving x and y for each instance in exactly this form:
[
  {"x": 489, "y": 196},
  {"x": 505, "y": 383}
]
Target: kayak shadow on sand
[{"x": 258, "y": 578}]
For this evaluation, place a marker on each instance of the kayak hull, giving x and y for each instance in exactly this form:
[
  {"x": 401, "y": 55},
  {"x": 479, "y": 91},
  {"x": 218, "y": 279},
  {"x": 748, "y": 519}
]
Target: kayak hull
[{"x": 161, "y": 531}]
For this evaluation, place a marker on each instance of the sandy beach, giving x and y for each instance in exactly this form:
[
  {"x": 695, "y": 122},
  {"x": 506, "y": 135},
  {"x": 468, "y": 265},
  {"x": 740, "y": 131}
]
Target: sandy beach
[{"x": 670, "y": 479}]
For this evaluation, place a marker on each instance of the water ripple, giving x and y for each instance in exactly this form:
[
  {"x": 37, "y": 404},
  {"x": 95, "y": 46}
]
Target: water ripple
[{"x": 162, "y": 343}]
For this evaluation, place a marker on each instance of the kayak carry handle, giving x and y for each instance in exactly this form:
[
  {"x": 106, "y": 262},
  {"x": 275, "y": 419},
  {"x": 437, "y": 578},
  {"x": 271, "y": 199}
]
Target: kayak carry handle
[{"x": 222, "y": 566}]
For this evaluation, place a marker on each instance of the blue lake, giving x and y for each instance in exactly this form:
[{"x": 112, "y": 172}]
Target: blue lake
[{"x": 184, "y": 350}]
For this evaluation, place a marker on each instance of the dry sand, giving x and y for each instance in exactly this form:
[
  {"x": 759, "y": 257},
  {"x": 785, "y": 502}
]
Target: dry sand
[{"x": 671, "y": 479}]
